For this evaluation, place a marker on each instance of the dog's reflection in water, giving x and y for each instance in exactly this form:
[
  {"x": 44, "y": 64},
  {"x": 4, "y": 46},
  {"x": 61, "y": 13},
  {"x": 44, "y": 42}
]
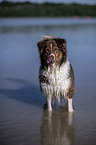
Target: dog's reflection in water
[{"x": 57, "y": 128}]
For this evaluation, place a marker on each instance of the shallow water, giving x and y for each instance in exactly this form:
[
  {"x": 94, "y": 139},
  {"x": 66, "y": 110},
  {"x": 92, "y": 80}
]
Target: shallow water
[{"x": 22, "y": 118}]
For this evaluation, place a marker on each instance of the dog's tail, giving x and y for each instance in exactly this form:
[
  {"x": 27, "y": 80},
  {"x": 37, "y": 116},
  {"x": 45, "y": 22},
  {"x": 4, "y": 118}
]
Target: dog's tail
[{"x": 48, "y": 37}]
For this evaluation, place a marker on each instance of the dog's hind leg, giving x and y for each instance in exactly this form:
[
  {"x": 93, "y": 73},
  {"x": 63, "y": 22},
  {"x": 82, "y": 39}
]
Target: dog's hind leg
[
  {"x": 70, "y": 99},
  {"x": 49, "y": 103}
]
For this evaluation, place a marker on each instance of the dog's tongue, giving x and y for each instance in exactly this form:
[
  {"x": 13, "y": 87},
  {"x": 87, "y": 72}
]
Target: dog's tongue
[{"x": 50, "y": 60}]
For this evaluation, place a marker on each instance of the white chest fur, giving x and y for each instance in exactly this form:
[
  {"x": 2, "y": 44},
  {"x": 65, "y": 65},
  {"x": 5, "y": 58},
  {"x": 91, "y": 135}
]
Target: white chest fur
[{"x": 58, "y": 80}]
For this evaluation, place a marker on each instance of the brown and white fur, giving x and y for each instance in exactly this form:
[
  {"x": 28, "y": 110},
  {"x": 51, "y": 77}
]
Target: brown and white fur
[{"x": 56, "y": 74}]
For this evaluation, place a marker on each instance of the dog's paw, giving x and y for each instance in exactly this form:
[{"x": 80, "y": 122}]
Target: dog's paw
[
  {"x": 71, "y": 110},
  {"x": 49, "y": 109}
]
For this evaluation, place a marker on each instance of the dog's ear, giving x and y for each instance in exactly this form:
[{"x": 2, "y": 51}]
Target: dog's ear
[
  {"x": 61, "y": 43},
  {"x": 41, "y": 45}
]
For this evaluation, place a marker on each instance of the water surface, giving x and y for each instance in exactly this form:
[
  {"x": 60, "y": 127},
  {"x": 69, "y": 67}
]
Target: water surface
[{"x": 22, "y": 118}]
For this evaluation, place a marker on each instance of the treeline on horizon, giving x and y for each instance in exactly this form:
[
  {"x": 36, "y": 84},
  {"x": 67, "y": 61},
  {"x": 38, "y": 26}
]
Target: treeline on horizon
[{"x": 28, "y": 9}]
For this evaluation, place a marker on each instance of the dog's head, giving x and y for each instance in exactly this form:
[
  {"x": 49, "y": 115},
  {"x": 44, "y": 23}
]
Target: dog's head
[{"x": 52, "y": 50}]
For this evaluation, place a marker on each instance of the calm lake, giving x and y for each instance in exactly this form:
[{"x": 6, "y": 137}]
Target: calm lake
[{"x": 23, "y": 121}]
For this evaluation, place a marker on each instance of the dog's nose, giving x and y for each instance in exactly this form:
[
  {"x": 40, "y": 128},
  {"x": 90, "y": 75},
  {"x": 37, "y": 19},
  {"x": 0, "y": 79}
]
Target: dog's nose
[{"x": 51, "y": 58}]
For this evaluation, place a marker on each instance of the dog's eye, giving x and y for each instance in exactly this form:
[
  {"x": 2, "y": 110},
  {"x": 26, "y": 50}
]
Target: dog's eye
[
  {"x": 47, "y": 50},
  {"x": 55, "y": 49}
]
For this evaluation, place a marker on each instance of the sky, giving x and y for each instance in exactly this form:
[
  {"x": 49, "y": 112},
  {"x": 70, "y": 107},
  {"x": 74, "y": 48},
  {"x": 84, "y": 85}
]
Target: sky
[{"x": 59, "y": 1}]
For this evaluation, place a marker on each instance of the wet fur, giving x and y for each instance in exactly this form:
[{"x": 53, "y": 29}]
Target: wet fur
[{"x": 56, "y": 78}]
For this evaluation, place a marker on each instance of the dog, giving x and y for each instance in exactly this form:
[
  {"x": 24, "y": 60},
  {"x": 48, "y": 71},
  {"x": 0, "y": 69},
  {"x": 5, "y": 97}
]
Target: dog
[{"x": 56, "y": 74}]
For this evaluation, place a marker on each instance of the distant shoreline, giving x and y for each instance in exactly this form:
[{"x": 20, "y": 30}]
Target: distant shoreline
[
  {"x": 28, "y": 9},
  {"x": 75, "y": 18}
]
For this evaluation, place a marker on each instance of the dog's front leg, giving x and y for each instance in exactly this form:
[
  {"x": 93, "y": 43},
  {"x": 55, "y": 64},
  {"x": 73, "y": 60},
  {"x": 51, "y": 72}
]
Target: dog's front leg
[
  {"x": 49, "y": 103},
  {"x": 70, "y": 105}
]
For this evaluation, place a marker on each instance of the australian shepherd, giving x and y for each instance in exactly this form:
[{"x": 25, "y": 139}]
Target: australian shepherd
[{"x": 56, "y": 74}]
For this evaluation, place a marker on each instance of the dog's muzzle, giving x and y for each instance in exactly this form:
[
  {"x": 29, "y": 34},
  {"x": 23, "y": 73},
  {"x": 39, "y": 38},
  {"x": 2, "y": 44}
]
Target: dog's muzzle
[{"x": 51, "y": 58}]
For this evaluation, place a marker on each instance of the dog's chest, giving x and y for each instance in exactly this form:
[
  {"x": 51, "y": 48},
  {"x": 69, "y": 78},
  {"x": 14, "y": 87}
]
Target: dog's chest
[{"x": 58, "y": 78}]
